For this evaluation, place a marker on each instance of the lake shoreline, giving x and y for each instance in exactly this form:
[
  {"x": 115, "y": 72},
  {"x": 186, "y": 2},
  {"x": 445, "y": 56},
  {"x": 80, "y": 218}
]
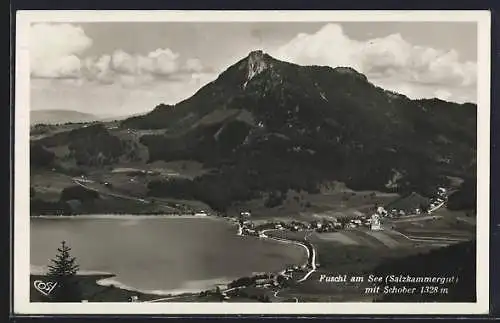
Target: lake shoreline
[{"x": 105, "y": 279}]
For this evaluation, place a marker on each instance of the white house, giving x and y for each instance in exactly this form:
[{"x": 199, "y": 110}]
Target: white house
[
  {"x": 381, "y": 211},
  {"x": 375, "y": 222}
]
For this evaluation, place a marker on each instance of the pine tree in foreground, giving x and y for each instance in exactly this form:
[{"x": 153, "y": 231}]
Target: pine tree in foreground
[{"x": 63, "y": 271}]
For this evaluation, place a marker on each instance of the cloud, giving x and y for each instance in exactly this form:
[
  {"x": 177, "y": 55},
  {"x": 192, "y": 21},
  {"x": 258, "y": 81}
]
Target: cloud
[
  {"x": 194, "y": 64},
  {"x": 118, "y": 82},
  {"x": 127, "y": 69},
  {"x": 390, "y": 57},
  {"x": 55, "y": 50}
]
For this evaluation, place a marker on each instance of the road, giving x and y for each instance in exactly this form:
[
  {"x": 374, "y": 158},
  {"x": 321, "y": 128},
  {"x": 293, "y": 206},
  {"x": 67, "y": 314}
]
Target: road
[
  {"x": 432, "y": 240},
  {"x": 420, "y": 218},
  {"x": 81, "y": 182},
  {"x": 313, "y": 261},
  {"x": 163, "y": 299},
  {"x": 311, "y": 258}
]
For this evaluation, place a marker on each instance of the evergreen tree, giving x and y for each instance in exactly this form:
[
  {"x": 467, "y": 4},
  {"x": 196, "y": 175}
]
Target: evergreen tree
[{"x": 63, "y": 271}]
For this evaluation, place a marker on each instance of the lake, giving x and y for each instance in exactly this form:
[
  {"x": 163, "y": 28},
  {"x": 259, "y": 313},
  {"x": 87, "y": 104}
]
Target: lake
[{"x": 160, "y": 254}]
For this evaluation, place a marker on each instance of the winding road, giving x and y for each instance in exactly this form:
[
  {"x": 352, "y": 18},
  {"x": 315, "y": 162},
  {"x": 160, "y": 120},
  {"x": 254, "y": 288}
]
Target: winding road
[
  {"x": 313, "y": 261},
  {"x": 311, "y": 252},
  {"x": 311, "y": 258}
]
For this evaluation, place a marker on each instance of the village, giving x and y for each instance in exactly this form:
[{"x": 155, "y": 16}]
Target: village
[
  {"x": 297, "y": 273},
  {"x": 373, "y": 222}
]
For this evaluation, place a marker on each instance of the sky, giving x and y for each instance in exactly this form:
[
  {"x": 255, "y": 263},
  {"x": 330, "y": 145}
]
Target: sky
[{"x": 119, "y": 69}]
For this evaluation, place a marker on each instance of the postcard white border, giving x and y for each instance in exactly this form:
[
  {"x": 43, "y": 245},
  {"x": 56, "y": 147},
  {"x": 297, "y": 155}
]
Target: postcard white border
[{"x": 21, "y": 286}]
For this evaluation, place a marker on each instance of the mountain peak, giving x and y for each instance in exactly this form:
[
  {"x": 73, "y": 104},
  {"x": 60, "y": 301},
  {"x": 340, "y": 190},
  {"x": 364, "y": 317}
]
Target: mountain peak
[
  {"x": 256, "y": 54},
  {"x": 257, "y": 61}
]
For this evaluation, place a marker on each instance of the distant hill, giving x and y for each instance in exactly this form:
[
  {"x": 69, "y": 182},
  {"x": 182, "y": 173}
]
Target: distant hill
[
  {"x": 91, "y": 146},
  {"x": 60, "y": 116}
]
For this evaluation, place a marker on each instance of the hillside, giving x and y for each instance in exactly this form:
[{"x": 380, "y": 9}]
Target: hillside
[
  {"x": 266, "y": 125},
  {"x": 273, "y": 125},
  {"x": 89, "y": 146},
  {"x": 458, "y": 260},
  {"x": 409, "y": 203}
]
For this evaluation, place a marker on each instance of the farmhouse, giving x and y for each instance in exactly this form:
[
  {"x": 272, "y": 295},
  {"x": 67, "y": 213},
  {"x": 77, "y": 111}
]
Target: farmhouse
[
  {"x": 441, "y": 192},
  {"x": 245, "y": 214},
  {"x": 381, "y": 211}
]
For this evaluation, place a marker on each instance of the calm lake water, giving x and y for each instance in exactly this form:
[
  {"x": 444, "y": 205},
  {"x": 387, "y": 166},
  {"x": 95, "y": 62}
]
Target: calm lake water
[{"x": 160, "y": 253}]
